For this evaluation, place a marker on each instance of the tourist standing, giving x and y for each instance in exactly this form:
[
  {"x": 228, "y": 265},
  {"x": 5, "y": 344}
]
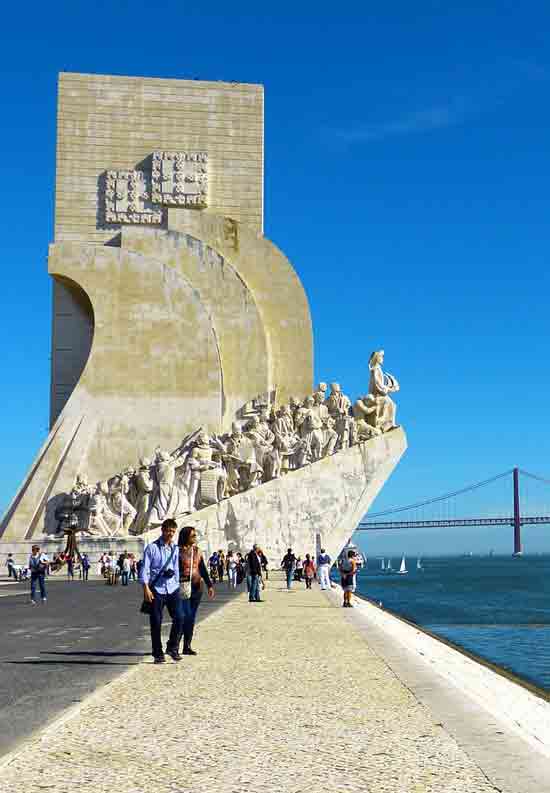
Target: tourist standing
[
  {"x": 348, "y": 568},
  {"x": 213, "y": 565},
  {"x": 126, "y": 567},
  {"x": 85, "y": 566},
  {"x": 309, "y": 571},
  {"x": 324, "y": 563},
  {"x": 161, "y": 587},
  {"x": 255, "y": 575},
  {"x": 299, "y": 569},
  {"x": 288, "y": 564},
  {"x": 192, "y": 573},
  {"x": 231, "y": 566},
  {"x": 70, "y": 568},
  {"x": 38, "y": 564},
  {"x": 221, "y": 565},
  {"x": 10, "y": 564},
  {"x": 241, "y": 569}
]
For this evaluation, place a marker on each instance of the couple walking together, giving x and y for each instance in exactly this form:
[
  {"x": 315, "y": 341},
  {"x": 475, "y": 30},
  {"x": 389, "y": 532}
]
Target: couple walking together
[{"x": 172, "y": 577}]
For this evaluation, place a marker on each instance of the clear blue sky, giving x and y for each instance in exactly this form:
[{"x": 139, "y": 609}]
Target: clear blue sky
[{"x": 407, "y": 178}]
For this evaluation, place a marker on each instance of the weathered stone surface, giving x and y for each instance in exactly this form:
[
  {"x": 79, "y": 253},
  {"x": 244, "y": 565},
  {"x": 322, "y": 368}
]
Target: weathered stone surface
[{"x": 320, "y": 504}]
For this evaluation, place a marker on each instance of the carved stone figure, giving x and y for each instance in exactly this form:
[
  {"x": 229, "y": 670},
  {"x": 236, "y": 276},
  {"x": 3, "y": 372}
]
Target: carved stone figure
[
  {"x": 205, "y": 472},
  {"x": 365, "y": 412},
  {"x": 381, "y": 385},
  {"x": 294, "y": 406},
  {"x": 329, "y": 434},
  {"x": 262, "y": 439},
  {"x": 169, "y": 497},
  {"x": 102, "y": 518},
  {"x": 242, "y": 468},
  {"x": 145, "y": 485},
  {"x": 313, "y": 430},
  {"x": 338, "y": 405},
  {"x": 322, "y": 390},
  {"x": 132, "y": 493},
  {"x": 118, "y": 488}
]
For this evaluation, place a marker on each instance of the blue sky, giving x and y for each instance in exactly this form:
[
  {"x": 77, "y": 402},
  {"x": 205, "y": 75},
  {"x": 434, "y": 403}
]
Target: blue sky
[{"x": 407, "y": 178}]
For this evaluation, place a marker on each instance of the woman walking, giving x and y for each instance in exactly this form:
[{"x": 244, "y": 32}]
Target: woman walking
[
  {"x": 348, "y": 568},
  {"x": 192, "y": 573},
  {"x": 309, "y": 570}
]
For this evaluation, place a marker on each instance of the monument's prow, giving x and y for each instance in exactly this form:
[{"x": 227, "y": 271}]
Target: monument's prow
[{"x": 172, "y": 313}]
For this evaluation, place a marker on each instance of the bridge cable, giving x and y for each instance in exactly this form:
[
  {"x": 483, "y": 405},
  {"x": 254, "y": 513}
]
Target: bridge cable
[
  {"x": 394, "y": 510},
  {"x": 534, "y": 476}
]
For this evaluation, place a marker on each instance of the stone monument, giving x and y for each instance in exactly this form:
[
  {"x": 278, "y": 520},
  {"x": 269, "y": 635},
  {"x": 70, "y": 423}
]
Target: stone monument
[{"x": 182, "y": 364}]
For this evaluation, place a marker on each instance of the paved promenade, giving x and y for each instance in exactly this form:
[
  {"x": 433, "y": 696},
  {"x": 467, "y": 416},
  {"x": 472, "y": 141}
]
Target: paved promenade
[{"x": 284, "y": 696}]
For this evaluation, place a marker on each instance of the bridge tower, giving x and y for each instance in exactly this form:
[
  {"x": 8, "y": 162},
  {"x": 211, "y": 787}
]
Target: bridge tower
[{"x": 517, "y": 515}]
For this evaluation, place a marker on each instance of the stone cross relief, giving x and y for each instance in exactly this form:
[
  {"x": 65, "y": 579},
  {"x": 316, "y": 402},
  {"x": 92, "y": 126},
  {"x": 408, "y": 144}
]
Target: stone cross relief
[{"x": 176, "y": 179}]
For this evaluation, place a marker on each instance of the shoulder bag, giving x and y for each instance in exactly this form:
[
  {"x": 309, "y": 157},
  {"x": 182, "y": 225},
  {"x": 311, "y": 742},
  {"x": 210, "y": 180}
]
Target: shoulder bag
[{"x": 186, "y": 586}]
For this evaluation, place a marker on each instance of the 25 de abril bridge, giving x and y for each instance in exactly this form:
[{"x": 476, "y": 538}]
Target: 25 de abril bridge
[{"x": 514, "y": 498}]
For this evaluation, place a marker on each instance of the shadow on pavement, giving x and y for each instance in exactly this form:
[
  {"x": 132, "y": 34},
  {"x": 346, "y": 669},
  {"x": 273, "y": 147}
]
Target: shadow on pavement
[
  {"x": 99, "y": 653},
  {"x": 76, "y": 662}
]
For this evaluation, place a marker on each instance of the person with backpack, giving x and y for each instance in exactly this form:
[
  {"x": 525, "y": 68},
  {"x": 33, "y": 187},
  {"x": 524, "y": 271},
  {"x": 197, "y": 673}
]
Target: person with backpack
[
  {"x": 38, "y": 564},
  {"x": 85, "y": 566}
]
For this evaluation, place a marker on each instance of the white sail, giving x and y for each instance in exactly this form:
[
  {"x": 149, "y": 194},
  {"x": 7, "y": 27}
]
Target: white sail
[
  {"x": 388, "y": 566},
  {"x": 418, "y": 564},
  {"x": 403, "y": 567},
  {"x": 382, "y": 566}
]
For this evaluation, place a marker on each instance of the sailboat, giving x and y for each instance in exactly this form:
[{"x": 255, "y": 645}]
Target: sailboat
[
  {"x": 389, "y": 568},
  {"x": 403, "y": 568},
  {"x": 419, "y": 564},
  {"x": 383, "y": 566}
]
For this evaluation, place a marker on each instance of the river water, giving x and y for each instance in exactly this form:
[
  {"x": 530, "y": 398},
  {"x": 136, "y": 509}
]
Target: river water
[{"x": 496, "y": 607}]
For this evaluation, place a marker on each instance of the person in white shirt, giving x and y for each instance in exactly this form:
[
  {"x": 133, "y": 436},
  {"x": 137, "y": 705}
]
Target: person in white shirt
[
  {"x": 38, "y": 565},
  {"x": 231, "y": 564},
  {"x": 126, "y": 567}
]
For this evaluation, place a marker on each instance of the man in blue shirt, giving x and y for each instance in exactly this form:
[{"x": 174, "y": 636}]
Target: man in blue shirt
[
  {"x": 38, "y": 565},
  {"x": 161, "y": 587}
]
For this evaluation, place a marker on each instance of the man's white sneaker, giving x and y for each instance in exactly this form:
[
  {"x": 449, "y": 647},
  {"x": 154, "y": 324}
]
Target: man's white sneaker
[
  {"x": 33, "y": 602},
  {"x": 44, "y": 600}
]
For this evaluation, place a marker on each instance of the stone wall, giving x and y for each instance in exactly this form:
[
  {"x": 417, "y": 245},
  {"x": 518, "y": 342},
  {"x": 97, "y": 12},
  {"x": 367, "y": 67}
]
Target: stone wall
[{"x": 109, "y": 122}]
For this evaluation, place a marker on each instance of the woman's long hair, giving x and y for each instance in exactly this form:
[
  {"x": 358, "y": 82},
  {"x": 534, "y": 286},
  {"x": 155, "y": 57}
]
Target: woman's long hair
[{"x": 183, "y": 537}]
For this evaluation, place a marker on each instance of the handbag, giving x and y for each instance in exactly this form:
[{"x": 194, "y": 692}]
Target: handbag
[
  {"x": 146, "y": 607},
  {"x": 186, "y": 587}
]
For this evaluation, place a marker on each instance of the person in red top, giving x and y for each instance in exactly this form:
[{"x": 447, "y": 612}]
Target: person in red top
[
  {"x": 309, "y": 570},
  {"x": 192, "y": 573}
]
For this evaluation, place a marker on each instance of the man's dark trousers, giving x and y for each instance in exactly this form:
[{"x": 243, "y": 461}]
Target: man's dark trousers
[
  {"x": 173, "y": 604},
  {"x": 42, "y": 584},
  {"x": 255, "y": 586}
]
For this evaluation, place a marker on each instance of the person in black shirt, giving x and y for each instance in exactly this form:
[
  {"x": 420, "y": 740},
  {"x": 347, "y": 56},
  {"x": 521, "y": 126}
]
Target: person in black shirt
[
  {"x": 255, "y": 573},
  {"x": 288, "y": 564}
]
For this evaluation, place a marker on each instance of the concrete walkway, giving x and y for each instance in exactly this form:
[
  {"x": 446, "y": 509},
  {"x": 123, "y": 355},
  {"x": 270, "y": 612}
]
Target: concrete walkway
[{"x": 284, "y": 696}]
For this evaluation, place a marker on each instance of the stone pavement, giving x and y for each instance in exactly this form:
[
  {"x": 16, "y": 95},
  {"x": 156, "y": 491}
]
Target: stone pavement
[{"x": 284, "y": 696}]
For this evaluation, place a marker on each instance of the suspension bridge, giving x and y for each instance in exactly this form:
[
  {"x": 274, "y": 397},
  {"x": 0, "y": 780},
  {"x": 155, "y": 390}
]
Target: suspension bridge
[{"x": 516, "y": 518}]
